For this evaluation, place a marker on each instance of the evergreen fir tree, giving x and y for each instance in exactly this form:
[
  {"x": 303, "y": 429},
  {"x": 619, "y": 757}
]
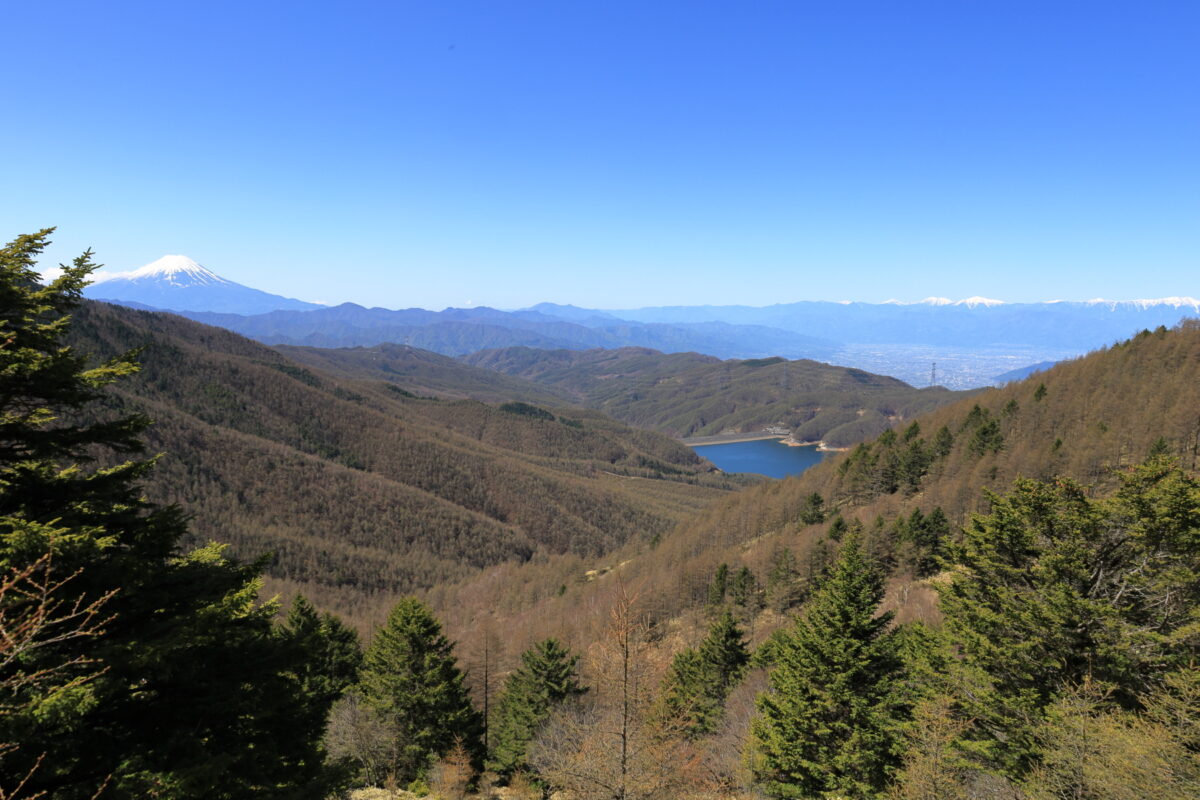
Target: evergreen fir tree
[
  {"x": 719, "y": 586},
  {"x": 411, "y": 678},
  {"x": 828, "y": 724},
  {"x": 1054, "y": 588},
  {"x": 331, "y": 648},
  {"x": 700, "y": 679},
  {"x": 812, "y": 512},
  {"x": 837, "y": 528},
  {"x": 546, "y": 677},
  {"x": 783, "y": 586},
  {"x": 744, "y": 589},
  {"x": 188, "y": 690},
  {"x": 816, "y": 567},
  {"x": 943, "y": 442}
]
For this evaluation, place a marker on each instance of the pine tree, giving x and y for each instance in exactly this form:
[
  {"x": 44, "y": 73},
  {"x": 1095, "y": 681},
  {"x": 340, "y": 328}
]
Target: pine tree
[
  {"x": 719, "y": 586},
  {"x": 411, "y": 678},
  {"x": 828, "y": 724},
  {"x": 743, "y": 589},
  {"x": 332, "y": 651},
  {"x": 812, "y": 512},
  {"x": 545, "y": 678},
  {"x": 700, "y": 679},
  {"x": 187, "y": 690},
  {"x": 783, "y": 585},
  {"x": 1054, "y": 588}
]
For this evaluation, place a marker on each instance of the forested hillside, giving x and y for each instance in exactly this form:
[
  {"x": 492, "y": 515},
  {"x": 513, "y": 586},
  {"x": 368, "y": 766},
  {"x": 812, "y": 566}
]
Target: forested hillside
[
  {"x": 1031, "y": 549},
  {"x": 688, "y": 394},
  {"x": 424, "y": 372},
  {"x": 995, "y": 600},
  {"x": 1082, "y": 419},
  {"x": 362, "y": 490}
]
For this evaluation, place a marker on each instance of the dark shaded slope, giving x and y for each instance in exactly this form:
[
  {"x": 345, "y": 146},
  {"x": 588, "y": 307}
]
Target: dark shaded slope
[
  {"x": 687, "y": 394},
  {"x": 361, "y": 489}
]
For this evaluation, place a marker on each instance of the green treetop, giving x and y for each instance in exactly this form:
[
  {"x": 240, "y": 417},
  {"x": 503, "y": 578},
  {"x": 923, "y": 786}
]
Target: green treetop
[
  {"x": 700, "y": 679},
  {"x": 187, "y": 690},
  {"x": 411, "y": 678},
  {"x": 828, "y": 722},
  {"x": 1054, "y": 587},
  {"x": 545, "y": 678}
]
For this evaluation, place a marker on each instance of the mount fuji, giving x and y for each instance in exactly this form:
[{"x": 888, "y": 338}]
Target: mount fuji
[{"x": 177, "y": 283}]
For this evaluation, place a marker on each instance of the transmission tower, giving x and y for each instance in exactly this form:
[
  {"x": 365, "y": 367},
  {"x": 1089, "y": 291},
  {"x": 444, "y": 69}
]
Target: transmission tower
[{"x": 933, "y": 375}]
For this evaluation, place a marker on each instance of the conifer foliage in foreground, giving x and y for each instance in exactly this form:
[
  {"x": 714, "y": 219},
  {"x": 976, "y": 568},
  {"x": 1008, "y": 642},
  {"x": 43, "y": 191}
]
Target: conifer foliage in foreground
[
  {"x": 173, "y": 681},
  {"x": 828, "y": 725},
  {"x": 700, "y": 679},
  {"x": 545, "y": 678},
  {"x": 411, "y": 680}
]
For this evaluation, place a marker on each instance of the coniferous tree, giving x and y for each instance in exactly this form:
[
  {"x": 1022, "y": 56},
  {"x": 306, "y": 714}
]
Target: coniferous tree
[
  {"x": 546, "y": 677},
  {"x": 1054, "y": 588},
  {"x": 187, "y": 689},
  {"x": 783, "y": 585},
  {"x": 332, "y": 650},
  {"x": 816, "y": 567},
  {"x": 719, "y": 586},
  {"x": 411, "y": 679},
  {"x": 743, "y": 590},
  {"x": 838, "y": 528},
  {"x": 943, "y": 442},
  {"x": 828, "y": 724},
  {"x": 700, "y": 679},
  {"x": 813, "y": 510}
]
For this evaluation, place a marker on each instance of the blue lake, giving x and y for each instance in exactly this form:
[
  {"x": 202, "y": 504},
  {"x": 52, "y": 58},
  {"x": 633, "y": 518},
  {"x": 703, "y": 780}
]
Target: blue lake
[{"x": 765, "y": 456}]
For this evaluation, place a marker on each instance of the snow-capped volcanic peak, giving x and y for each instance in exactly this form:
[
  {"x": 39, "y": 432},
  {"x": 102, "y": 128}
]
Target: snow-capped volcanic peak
[
  {"x": 178, "y": 270},
  {"x": 935, "y": 301}
]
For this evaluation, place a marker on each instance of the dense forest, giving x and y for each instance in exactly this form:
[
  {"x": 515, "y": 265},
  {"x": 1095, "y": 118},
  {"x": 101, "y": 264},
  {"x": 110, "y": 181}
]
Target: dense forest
[
  {"x": 425, "y": 372},
  {"x": 688, "y": 394},
  {"x": 998, "y": 599},
  {"x": 924, "y": 503},
  {"x": 362, "y": 491}
]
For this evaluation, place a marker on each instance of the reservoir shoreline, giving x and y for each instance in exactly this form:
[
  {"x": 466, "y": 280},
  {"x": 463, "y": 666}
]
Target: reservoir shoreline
[
  {"x": 730, "y": 438},
  {"x": 761, "y": 454},
  {"x": 735, "y": 438}
]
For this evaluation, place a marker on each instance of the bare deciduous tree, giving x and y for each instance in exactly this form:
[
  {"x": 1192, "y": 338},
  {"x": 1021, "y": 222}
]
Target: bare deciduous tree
[{"x": 612, "y": 745}]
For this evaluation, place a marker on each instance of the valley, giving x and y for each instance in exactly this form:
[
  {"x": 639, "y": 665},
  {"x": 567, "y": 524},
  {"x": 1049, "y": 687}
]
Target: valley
[
  {"x": 600, "y": 401},
  {"x": 533, "y": 503}
]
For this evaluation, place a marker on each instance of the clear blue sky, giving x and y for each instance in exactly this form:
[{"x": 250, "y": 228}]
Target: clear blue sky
[{"x": 615, "y": 154}]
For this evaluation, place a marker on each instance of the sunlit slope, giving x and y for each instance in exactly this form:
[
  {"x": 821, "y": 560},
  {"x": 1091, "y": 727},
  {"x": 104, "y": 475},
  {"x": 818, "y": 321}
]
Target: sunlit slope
[
  {"x": 688, "y": 394},
  {"x": 359, "y": 488},
  {"x": 1082, "y": 419}
]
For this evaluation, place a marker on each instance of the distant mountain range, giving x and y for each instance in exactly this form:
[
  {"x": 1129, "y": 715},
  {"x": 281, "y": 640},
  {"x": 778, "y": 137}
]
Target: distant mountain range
[
  {"x": 1022, "y": 373},
  {"x": 976, "y": 321},
  {"x": 973, "y": 340}
]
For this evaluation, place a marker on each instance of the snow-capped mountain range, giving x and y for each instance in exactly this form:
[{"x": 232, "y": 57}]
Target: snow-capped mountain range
[
  {"x": 895, "y": 337},
  {"x": 177, "y": 283}
]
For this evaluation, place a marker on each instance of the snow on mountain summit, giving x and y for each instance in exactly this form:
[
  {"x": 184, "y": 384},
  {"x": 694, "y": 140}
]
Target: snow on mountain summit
[
  {"x": 175, "y": 269},
  {"x": 987, "y": 302},
  {"x": 179, "y": 283}
]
